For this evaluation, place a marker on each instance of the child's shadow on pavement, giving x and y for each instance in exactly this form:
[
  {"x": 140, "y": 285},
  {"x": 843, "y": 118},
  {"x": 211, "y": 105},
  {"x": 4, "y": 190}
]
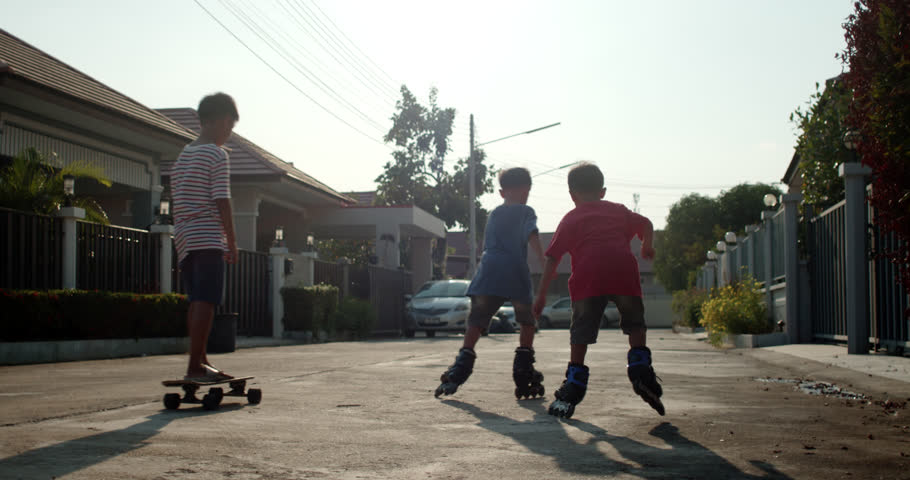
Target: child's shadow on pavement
[
  {"x": 64, "y": 458},
  {"x": 685, "y": 459}
]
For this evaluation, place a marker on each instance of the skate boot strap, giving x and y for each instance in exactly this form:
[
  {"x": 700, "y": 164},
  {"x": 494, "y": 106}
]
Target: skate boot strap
[
  {"x": 525, "y": 349},
  {"x": 577, "y": 375},
  {"x": 639, "y": 357}
]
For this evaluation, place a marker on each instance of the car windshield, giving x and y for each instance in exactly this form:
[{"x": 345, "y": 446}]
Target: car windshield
[{"x": 443, "y": 289}]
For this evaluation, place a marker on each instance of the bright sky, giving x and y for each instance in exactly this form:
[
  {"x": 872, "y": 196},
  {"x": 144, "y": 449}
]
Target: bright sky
[{"x": 667, "y": 97}]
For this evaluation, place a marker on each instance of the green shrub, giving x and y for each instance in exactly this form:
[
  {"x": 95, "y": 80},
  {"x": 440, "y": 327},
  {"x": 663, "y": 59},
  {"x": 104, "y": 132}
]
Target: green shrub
[
  {"x": 81, "y": 315},
  {"x": 737, "y": 308},
  {"x": 310, "y": 308},
  {"x": 355, "y": 315},
  {"x": 687, "y": 306}
]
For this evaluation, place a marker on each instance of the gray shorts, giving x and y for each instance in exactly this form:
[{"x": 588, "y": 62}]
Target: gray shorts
[
  {"x": 587, "y": 313},
  {"x": 483, "y": 307}
]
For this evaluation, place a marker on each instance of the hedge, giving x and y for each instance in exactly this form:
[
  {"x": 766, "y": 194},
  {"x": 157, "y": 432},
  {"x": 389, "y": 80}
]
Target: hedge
[
  {"x": 355, "y": 316},
  {"x": 30, "y": 315},
  {"x": 310, "y": 308}
]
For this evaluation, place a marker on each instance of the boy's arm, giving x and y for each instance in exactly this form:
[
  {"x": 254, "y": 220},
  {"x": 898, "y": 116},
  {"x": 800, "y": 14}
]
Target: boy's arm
[
  {"x": 534, "y": 241},
  {"x": 646, "y": 232},
  {"x": 549, "y": 272},
  {"x": 227, "y": 219}
]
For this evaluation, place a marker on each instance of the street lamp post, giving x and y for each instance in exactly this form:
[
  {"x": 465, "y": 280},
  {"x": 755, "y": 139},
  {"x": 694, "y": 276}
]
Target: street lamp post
[{"x": 472, "y": 240}]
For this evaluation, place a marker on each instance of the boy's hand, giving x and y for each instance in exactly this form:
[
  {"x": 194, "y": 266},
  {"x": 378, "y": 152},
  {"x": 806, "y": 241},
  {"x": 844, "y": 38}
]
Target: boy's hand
[
  {"x": 537, "y": 308},
  {"x": 647, "y": 252},
  {"x": 231, "y": 254}
]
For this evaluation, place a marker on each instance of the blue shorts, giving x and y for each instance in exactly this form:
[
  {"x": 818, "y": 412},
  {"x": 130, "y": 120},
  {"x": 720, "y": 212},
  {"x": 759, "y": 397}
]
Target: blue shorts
[{"x": 202, "y": 274}]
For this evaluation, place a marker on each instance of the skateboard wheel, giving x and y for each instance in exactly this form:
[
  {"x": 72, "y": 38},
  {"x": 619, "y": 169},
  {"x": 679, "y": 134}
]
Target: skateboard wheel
[
  {"x": 254, "y": 396},
  {"x": 217, "y": 392},
  {"x": 210, "y": 402},
  {"x": 171, "y": 401}
]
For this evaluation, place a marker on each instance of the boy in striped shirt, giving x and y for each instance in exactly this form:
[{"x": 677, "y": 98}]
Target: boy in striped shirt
[{"x": 204, "y": 226}]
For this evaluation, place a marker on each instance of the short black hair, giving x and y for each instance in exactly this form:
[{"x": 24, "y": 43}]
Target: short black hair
[
  {"x": 217, "y": 105},
  {"x": 586, "y": 178},
  {"x": 514, "y": 177}
]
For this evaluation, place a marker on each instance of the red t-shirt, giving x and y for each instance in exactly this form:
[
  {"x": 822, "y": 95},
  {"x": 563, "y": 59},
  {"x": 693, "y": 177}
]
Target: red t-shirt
[{"x": 597, "y": 236}]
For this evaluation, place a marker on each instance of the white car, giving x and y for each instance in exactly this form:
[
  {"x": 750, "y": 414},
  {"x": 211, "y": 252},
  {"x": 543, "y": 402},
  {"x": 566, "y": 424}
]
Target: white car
[
  {"x": 559, "y": 314},
  {"x": 507, "y": 313},
  {"x": 438, "y": 306}
]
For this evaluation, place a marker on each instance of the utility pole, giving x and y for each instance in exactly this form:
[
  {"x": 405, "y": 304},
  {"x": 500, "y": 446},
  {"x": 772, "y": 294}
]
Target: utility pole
[{"x": 472, "y": 238}]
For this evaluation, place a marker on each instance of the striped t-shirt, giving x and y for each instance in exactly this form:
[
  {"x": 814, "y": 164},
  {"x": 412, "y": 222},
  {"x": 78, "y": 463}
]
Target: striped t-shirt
[{"x": 199, "y": 177}]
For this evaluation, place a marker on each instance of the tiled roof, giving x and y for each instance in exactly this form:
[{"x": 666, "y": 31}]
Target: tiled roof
[
  {"x": 21, "y": 60},
  {"x": 247, "y": 158}
]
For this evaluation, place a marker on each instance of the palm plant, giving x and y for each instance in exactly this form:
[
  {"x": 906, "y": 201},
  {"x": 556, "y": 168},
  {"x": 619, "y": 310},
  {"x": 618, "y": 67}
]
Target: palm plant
[{"x": 33, "y": 183}]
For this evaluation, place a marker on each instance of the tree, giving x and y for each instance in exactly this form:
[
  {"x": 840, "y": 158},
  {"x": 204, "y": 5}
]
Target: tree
[
  {"x": 31, "y": 183},
  {"x": 820, "y": 143},
  {"x": 417, "y": 174},
  {"x": 878, "y": 56},
  {"x": 697, "y": 222}
]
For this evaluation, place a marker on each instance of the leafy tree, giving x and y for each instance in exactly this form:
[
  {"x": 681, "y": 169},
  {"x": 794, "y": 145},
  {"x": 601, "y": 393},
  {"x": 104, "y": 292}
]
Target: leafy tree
[
  {"x": 359, "y": 252},
  {"x": 417, "y": 174},
  {"x": 31, "y": 183},
  {"x": 878, "y": 56},
  {"x": 820, "y": 143},
  {"x": 697, "y": 222}
]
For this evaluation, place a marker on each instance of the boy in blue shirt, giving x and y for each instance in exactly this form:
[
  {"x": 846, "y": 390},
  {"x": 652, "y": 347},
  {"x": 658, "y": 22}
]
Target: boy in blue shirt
[{"x": 503, "y": 275}]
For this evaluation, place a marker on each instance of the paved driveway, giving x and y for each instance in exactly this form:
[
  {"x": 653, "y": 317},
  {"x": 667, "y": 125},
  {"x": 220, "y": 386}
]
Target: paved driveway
[{"x": 366, "y": 411}]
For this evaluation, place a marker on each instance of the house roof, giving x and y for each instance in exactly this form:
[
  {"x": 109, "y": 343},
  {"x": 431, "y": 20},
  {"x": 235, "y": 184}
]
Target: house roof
[
  {"x": 249, "y": 159},
  {"x": 791, "y": 169},
  {"x": 23, "y": 61}
]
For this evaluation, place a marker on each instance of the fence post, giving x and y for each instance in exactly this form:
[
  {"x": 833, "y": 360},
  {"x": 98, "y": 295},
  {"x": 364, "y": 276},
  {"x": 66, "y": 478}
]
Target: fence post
[
  {"x": 277, "y": 255},
  {"x": 790, "y": 202},
  {"x": 857, "y": 283},
  {"x": 766, "y": 217},
  {"x": 345, "y": 279},
  {"x": 750, "y": 249},
  {"x": 69, "y": 215},
  {"x": 711, "y": 271},
  {"x": 166, "y": 258}
]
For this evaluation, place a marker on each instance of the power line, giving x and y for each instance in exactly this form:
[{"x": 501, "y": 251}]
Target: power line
[
  {"x": 289, "y": 82},
  {"x": 391, "y": 80},
  {"x": 316, "y": 25},
  {"x": 266, "y": 38}
]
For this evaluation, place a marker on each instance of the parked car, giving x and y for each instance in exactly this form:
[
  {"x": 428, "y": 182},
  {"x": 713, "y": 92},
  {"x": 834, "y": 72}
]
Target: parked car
[
  {"x": 559, "y": 314},
  {"x": 439, "y": 305},
  {"x": 504, "y": 320}
]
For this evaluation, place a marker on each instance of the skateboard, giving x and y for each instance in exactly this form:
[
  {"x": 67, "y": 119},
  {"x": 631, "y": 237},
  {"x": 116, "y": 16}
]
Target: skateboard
[{"x": 212, "y": 399}]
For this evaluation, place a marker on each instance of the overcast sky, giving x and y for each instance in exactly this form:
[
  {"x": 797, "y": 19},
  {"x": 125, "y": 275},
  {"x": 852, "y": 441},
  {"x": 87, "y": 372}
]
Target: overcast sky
[{"x": 667, "y": 97}]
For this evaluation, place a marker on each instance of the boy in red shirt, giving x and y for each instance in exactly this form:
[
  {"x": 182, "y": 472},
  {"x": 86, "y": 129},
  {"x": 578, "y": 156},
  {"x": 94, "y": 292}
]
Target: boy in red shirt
[{"x": 597, "y": 234}]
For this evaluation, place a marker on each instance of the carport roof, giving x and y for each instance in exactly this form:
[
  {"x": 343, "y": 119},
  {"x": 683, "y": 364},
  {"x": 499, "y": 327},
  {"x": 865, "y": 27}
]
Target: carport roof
[{"x": 362, "y": 222}]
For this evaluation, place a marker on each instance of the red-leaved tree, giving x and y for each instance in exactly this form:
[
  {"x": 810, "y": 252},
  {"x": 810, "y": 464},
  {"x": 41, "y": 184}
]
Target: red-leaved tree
[{"x": 878, "y": 57}]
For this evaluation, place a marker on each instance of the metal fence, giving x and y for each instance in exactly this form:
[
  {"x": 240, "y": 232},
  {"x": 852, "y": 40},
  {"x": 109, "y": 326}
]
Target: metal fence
[
  {"x": 246, "y": 292},
  {"x": 827, "y": 282},
  {"x": 116, "y": 259},
  {"x": 329, "y": 273},
  {"x": 387, "y": 290},
  {"x": 31, "y": 246},
  {"x": 888, "y": 301}
]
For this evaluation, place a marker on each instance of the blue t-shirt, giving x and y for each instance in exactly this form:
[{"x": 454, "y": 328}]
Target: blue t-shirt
[{"x": 503, "y": 269}]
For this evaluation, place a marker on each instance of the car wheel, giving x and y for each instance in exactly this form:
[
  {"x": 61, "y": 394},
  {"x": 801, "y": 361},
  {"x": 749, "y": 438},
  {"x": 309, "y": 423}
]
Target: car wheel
[
  {"x": 431, "y": 334},
  {"x": 545, "y": 322}
]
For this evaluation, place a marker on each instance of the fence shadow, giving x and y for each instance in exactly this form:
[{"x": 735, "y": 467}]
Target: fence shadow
[
  {"x": 55, "y": 461},
  {"x": 545, "y": 435}
]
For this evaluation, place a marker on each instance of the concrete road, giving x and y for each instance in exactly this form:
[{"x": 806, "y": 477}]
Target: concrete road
[{"x": 366, "y": 411}]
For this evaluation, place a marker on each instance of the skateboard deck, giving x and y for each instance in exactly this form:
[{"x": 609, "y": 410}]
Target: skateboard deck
[{"x": 212, "y": 399}]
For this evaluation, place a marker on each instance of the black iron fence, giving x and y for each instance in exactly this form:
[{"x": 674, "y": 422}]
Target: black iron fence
[
  {"x": 827, "y": 274},
  {"x": 116, "y": 259},
  {"x": 31, "y": 246},
  {"x": 329, "y": 273},
  {"x": 888, "y": 302}
]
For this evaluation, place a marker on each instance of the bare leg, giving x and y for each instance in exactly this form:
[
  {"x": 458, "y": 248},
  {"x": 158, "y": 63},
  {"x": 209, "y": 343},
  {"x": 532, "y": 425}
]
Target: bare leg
[
  {"x": 471, "y": 336},
  {"x": 577, "y": 353},
  {"x": 526, "y": 337},
  {"x": 638, "y": 338},
  {"x": 198, "y": 323}
]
